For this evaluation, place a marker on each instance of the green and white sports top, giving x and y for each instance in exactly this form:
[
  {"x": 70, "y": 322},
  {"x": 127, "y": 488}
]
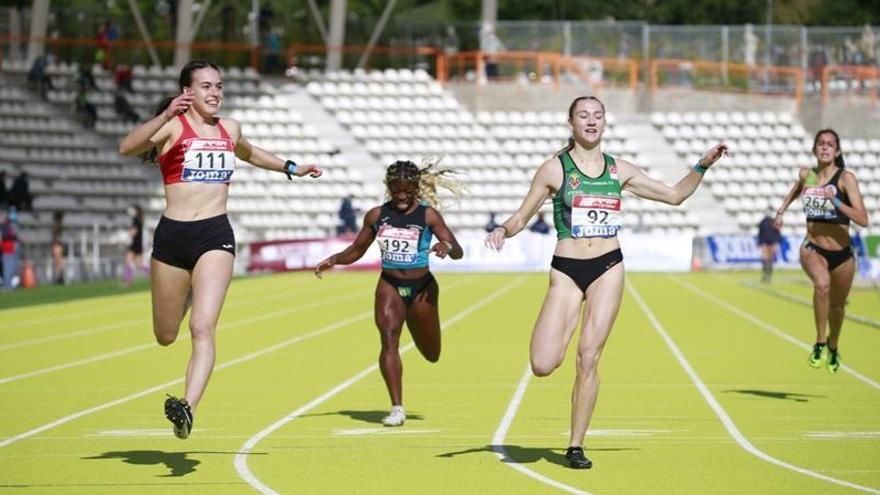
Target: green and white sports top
[{"x": 584, "y": 206}]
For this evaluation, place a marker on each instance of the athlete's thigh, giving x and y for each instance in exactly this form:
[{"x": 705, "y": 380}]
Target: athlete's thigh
[
  {"x": 602, "y": 305},
  {"x": 815, "y": 265},
  {"x": 169, "y": 285},
  {"x": 423, "y": 318},
  {"x": 842, "y": 280},
  {"x": 210, "y": 281},
  {"x": 557, "y": 320},
  {"x": 389, "y": 309}
]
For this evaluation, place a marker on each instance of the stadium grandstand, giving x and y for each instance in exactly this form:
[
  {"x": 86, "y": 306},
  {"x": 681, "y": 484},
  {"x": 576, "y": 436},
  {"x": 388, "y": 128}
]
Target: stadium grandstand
[{"x": 489, "y": 97}]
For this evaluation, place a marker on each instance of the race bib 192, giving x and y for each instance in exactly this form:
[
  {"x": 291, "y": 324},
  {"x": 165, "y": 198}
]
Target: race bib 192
[
  {"x": 208, "y": 160},
  {"x": 398, "y": 245}
]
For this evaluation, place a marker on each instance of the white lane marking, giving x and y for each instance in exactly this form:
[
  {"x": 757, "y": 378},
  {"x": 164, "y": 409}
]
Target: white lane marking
[
  {"x": 501, "y": 432},
  {"x": 129, "y": 350},
  {"x": 770, "y": 328},
  {"x": 234, "y": 303},
  {"x": 836, "y": 435},
  {"x": 241, "y": 458},
  {"x": 719, "y": 411},
  {"x": 164, "y": 386},
  {"x": 624, "y": 433},
  {"x": 355, "y": 432}
]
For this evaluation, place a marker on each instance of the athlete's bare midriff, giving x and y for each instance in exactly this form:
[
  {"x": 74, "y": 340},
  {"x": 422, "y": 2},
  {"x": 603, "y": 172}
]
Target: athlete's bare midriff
[
  {"x": 187, "y": 202},
  {"x": 830, "y": 236},
  {"x": 586, "y": 248}
]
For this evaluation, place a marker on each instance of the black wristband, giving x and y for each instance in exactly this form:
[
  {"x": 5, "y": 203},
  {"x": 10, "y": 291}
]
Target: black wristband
[{"x": 290, "y": 167}]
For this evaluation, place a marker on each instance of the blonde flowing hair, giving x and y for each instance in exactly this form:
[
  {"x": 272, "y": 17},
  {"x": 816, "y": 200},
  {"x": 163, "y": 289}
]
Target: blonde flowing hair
[{"x": 429, "y": 177}]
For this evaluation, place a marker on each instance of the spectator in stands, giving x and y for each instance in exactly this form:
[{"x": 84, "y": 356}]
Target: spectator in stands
[
  {"x": 20, "y": 195},
  {"x": 9, "y": 246},
  {"x": 123, "y": 108},
  {"x": 38, "y": 76},
  {"x": 832, "y": 199},
  {"x": 585, "y": 186},
  {"x": 491, "y": 224},
  {"x": 539, "y": 226},
  {"x": 4, "y": 192},
  {"x": 84, "y": 78},
  {"x": 194, "y": 246},
  {"x": 84, "y": 108},
  {"x": 348, "y": 222},
  {"x": 57, "y": 247},
  {"x": 134, "y": 259},
  {"x": 406, "y": 290},
  {"x": 123, "y": 77},
  {"x": 768, "y": 238}
]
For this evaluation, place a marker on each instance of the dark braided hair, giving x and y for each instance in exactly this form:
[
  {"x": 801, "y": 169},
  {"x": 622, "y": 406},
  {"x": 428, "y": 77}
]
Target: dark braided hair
[{"x": 428, "y": 178}]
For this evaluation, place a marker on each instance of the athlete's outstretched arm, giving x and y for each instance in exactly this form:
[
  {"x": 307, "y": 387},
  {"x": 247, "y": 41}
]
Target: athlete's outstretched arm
[
  {"x": 259, "y": 157},
  {"x": 357, "y": 248},
  {"x": 790, "y": 197},
  {"x": 446, "y": 244},
  {"x": 637, "y": 182},
  {"x": 154, "y": 132},
  {"x": 545, "y": 182}
]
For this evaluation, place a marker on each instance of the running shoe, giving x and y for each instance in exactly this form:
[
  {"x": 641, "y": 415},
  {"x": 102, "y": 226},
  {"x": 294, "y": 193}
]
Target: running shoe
[
  {"x": 576, "y": 458},
  {"x": 396, "y": 417},
  {"x": 833, "y": 362},
  {"x": 179, "y": 413},
  {"x": 815, "y": 358}
]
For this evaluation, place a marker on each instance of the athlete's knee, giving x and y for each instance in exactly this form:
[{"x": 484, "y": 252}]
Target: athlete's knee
[
  {"x": 432, "y": 355},
  {"x": 587, "y": 360},
  {"x": 822, "y": 287},
  {"x": 544, "y": 365},
  {"x": 165, "y": 337},
  {"x": 200, "y": 330}
]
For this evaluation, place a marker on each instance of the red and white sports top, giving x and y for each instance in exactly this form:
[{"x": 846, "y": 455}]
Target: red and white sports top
[{"x": 197, "y": 159}]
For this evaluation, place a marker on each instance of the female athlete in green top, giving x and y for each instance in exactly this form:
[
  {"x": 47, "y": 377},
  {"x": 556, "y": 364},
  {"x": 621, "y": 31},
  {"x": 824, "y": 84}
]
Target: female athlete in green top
[{"x": 585, "y": 187}]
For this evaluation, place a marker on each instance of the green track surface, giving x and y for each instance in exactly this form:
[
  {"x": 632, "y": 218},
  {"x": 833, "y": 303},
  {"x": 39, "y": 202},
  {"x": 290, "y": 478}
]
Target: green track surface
[{"x": 83, "y": 383}]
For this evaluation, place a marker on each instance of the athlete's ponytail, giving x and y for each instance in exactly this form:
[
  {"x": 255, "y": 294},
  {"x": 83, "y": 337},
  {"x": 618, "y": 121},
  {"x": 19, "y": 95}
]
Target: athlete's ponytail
[
  {"x": 429, "y": 177},
  {"x": 838, "y": 160}
]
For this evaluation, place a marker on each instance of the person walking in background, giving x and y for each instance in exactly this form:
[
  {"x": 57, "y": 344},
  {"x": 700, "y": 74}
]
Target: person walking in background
[
  {"x": 57, "y": 248},
  {"x": 9, "y": 246},
  {"x": 134, "y": 259},
  {"x": 4, "y": 192},
  {"x": 539, "y": 226},
  {"x": 348, "y": 221},
  {"x": 20, "y": 196},
  {"x": 768, "y": 240},
  {"x": 194, "y": 246},
  {"x": 831, "y": 199},
  {"x": 406, "y": 291},
  {"x": 585, "y": 186}
]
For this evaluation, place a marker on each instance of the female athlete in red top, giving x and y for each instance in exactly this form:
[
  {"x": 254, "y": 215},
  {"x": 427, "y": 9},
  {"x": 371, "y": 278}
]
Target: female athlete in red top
[{"x": 194, "y": 246}]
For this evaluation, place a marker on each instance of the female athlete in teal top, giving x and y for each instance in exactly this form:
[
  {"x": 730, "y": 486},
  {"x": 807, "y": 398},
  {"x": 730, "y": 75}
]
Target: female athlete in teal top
[{"x": 585, "y": 186}]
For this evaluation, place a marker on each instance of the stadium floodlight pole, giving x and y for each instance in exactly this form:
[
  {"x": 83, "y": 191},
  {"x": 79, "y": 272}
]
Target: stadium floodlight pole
[
  {"x": 380, "y": 26},
  {"x": 39, "y": 24},
  {"x": 145, "y": 33},
  {"x": 768, "y": 33},
  {"x": 337, "y": 35},
  {"x": 319, "y": 20},
  {"x": 182, "y": 38}
]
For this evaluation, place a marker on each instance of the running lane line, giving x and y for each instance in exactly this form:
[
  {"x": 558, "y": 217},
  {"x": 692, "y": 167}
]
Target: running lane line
[
  {"x": 241, "y": 458},
  {"x": 150, "y": 345},
  {"x": 719, "y": 411},
  {"x": 766, "y": 326},
  {"x": 501, "y": 432},
  {"x": 164, "y": 386}
]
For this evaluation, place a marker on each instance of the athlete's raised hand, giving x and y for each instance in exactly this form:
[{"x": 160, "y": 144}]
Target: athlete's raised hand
[
  {"x": 713, "y": 155},
  {"x": 310, "y": 170},
  {"x": 179, "y": 104}
]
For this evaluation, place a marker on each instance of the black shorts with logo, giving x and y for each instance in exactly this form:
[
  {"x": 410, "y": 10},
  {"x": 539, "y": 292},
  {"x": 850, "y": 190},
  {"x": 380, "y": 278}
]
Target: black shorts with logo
[{"x": 181, "y": 244}]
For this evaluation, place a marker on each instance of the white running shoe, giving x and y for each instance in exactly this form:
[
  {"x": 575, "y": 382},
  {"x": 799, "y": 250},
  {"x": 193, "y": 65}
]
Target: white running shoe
[{"x": 396, "y": 417}]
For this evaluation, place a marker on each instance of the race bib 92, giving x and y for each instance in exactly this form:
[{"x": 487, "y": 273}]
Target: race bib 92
[
  {"x": 594, "y": 216},
  {"x": 208, "y": 160}
]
